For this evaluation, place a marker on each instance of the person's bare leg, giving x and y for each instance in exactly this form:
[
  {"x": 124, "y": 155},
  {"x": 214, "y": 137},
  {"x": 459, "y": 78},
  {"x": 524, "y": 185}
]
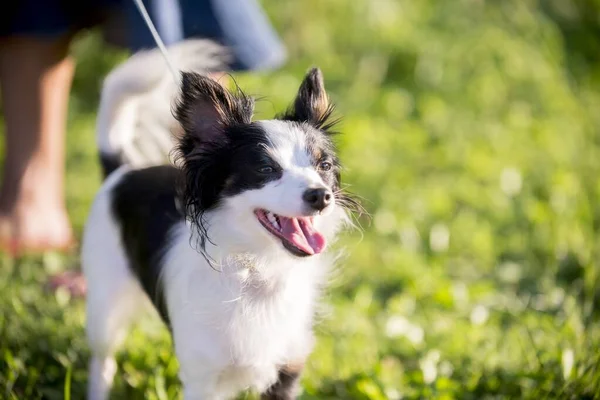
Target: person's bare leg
[{"x": 35, "y": 80}]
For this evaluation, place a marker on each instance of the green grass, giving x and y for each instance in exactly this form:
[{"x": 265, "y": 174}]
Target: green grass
[{"x": 471, "y": 131}]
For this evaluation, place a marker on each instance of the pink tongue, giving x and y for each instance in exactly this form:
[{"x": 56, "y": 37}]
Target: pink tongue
[{"x": 301, "y": 232}]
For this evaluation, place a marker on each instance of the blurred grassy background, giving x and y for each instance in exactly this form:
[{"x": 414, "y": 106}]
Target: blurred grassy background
[{"x": 471, "y": 128}]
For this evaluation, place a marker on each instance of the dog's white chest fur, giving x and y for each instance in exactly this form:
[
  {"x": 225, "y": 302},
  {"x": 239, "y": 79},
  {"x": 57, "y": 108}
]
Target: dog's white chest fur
[{"x": 245, "y": 320}]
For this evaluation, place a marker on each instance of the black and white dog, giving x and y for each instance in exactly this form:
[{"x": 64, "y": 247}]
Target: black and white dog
[{"x": 229, "y": 245}]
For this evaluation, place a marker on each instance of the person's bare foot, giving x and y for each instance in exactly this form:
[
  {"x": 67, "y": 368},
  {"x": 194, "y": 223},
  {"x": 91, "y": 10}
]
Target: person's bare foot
[
  {"x": 33, "y": 217},
  {"x": 34, "y": 228}
]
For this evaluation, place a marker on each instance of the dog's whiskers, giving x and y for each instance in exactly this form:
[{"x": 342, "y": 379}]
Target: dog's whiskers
[{"x": 350, "y": 202}]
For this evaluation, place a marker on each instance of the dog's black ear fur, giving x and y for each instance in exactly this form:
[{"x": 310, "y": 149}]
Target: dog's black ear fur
[
  {"x": 205, "y": 108},
  {"x": 205, "y": 111},
  {"x": 312, "y": 103}
]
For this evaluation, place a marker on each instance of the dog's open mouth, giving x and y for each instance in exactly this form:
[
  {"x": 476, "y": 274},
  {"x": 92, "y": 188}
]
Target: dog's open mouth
[{"x": 298, "y": 235}]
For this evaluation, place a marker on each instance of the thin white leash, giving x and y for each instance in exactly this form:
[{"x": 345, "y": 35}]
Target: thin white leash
[{"x": 142, "y": 9}]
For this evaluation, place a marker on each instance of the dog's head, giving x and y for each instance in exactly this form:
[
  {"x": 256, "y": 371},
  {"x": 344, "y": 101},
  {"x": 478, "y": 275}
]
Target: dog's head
[{"x": 254, "y": 186}]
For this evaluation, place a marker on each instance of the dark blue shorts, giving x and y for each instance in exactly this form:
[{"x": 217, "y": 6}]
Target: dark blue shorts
[{"x": 239, "y": 24}]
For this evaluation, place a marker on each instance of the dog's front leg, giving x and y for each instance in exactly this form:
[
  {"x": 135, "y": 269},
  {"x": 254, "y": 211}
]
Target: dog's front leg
[
  {"x": 200, "y": 374},
  {"x": 196, "y": 392},
  {"x": 200, "y": 385}
]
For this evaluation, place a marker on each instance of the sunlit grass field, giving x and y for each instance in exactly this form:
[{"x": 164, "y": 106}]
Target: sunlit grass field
[{"x": 471, "y": 131}]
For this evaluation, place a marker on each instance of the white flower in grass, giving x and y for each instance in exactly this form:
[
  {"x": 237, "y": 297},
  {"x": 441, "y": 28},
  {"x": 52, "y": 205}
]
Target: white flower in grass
[
  {"x": 429, "y": 366},
  {"x": 399, "y": 326},
  {"x": 409, "y": 237},
  {"x": 568, "y": 360},
  {"x": 439, "y": 238},
  {"x": 446, "y": 368},
  {"x": 479, "y": 315},
  {"x": 62, "y": 296},
  {"x": 393, "y": 394},
  {"x": 416, "y": 334},
  {"x": 509, "y": 272},
  {"x": 396, "y": 326},
  {"x": 460, "y": 294},
  {"x": 511, "y": 181}
]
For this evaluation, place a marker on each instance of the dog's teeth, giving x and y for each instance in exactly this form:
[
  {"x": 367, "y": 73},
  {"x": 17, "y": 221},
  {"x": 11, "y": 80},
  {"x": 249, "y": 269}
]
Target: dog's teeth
[{"x": 272, "y": 219}]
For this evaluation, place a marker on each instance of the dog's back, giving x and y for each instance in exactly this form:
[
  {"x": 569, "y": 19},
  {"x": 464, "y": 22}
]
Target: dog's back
[{"x": 135, "y": 123}]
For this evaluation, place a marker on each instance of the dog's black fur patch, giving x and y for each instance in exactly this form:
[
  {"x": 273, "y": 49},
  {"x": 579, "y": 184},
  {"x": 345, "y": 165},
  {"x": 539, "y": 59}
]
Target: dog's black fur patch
[
  {"x": 247, "y": 160},
  {"x": 207, "y": 112},
  {"x": 143, "y": 204},
  {"x": 109, "y": 163},
  {"x": 228, "y": 168}
]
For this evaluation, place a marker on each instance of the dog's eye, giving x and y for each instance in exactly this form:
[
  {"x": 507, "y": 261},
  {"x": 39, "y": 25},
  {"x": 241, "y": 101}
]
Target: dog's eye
[
  {"x": 267, "y": 169},
  {"x": 325, "y": 166}
]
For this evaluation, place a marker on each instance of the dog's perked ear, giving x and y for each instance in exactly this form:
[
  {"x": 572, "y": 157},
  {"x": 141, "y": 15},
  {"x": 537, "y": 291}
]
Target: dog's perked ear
[
  {"x": 312, "y": 103},
  {"x": 205, "y": 108}
]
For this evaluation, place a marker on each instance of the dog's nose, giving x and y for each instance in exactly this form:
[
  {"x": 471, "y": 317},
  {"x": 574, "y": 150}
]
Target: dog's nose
[{"x": 317, "y": 199}]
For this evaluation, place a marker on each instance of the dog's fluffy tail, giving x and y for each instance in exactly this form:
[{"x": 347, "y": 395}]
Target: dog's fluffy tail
[{"x": 135, "y": 125}]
